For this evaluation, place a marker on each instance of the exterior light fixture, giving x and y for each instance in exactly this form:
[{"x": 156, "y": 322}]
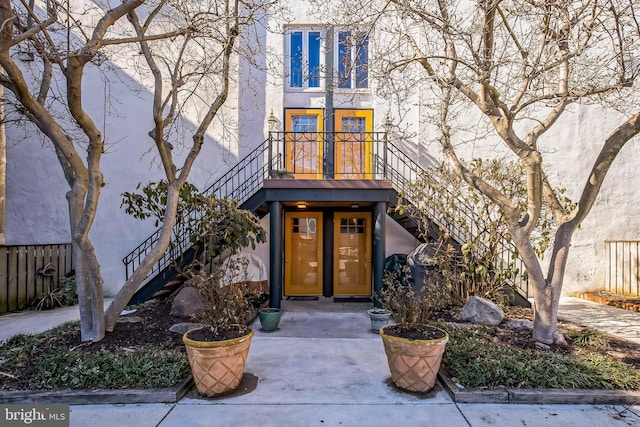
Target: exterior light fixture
[
  {"x": 355, "y": 206},
  {"x": 302, "y": 206},
  {"x": 272, "y": 122},
  {"x": 388, "y": 124}
]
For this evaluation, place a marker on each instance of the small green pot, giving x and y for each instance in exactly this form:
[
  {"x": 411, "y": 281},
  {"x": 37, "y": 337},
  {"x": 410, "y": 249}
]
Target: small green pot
[{"x": 269, "y": 318}]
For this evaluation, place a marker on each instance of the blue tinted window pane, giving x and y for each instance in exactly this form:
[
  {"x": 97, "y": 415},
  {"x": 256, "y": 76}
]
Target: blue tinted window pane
[
  {"x": 304, "y": 124},
  {"x": 362, "y": 63},
  {"x": 344, "y": 60},
  {"x": 295, "y": 78},
  {"x": 314, "y": 59}
]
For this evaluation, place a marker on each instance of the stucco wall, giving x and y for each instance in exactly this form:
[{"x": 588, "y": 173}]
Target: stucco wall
[{"x": 120, "y": 104}]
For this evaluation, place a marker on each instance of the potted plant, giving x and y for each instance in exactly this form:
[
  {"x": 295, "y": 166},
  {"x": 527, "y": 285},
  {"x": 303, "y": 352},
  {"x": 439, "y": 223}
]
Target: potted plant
[
  {"x": 269, "y": 318},
  {"x": 218, "y": 350},
  {"x": 216, "y": 229},
  {"x": 379, "y": 317},
  {"x": 413, "y": 346}
]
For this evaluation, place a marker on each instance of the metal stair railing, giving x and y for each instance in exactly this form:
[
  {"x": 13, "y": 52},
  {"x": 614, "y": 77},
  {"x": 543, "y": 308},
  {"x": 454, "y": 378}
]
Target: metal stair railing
[
  {"x": 240, "y": 183},
  {"x": 247, "y": 177},
  {"x": 404, "y": 172}
]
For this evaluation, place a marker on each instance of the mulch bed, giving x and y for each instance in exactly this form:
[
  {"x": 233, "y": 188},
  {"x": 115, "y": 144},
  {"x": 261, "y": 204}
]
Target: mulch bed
[
  {"x": 626, "y": 302},
  {"x": 148, "y": 325}
]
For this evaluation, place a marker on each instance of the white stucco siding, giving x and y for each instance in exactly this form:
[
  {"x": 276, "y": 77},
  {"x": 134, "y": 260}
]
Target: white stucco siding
[
  {"x": 398, "y": 240},
  {"x": 616, "y": 212},
  {"x": 36, "y": 206}
]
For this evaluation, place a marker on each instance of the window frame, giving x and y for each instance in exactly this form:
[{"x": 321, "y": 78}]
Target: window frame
[
  {"x": 306, "y": 31},
  {"x": 353, "y": 59}
]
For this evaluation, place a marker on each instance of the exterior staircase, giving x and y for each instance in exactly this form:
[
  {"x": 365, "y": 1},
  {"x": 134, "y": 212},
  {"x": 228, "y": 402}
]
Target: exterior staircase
[{"x": 245, "y": 183}]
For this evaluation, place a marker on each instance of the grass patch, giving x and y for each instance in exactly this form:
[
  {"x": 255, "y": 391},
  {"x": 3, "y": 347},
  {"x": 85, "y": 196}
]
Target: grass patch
[
  {"x": 142, "y": 368},
  {"x": 477, "y": 360},
  {"x": 38, "y": 362}
]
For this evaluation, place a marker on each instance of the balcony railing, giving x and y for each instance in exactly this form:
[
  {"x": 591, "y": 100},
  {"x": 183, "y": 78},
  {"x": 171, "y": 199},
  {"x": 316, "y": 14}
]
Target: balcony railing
[{"x": 328, "y": 155}]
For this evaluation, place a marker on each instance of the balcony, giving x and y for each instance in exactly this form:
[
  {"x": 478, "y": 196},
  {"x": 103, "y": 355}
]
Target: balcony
[{"x": 327, "y": 155}]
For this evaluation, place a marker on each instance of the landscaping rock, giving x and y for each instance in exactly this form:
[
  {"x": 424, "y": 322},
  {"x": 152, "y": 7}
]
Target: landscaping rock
[
  {"x": 182, "y": 328},
  {"x": 129, "y": 319},
  {"x": 520, "y": 324},
  {"x": 481, "y": 311},
  {"x": 187, "y": 303}
]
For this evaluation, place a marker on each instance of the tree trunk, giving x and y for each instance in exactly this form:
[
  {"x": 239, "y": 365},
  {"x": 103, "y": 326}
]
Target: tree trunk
[
  {"x": 546, "y": 293},
  {"x": 87, "y": 272},
  {"x": 545, "y": 324},
  {"x": 127, "y": 291},
  {"x": 90, "y": 300},
  {"x": 3, "y": 170}
]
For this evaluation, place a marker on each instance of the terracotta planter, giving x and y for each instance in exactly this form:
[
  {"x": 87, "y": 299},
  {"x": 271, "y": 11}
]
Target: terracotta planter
[
  {"x": 414, "y": 364},
  {"x": 217, "y": 366}
]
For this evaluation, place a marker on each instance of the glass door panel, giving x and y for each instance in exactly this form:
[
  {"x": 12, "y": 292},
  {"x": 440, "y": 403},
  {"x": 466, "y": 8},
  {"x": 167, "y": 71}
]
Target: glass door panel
[
  {"x": 303, "y": 253},
  {"x": 303, "y": 150},
  {"x": 352, "y": 254},
  {"x": 353, "y": 144}
]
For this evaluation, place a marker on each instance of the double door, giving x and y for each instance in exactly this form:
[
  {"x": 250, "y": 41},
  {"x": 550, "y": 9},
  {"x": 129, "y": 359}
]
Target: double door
[
  {"x": 347, "y": 248},
  {"x": 307, "y": 144}
]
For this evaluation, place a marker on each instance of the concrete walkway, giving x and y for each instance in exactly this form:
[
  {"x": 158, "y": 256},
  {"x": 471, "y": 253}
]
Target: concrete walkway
[
  {"x": 323, "y": 367},
  {"x": 615, "y": 321}
]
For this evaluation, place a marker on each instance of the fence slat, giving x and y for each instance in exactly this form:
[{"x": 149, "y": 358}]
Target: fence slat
[
  {"x": 623, "y": 267},
  {"x": 32, "y": 253},
  {"x": 21, "y": 288},
  {"x": 4, "y": 280},
  {"x": 12, "y": 280},
  {"x": 20, "y": 283},
  {"x": 67, "y": 257}
]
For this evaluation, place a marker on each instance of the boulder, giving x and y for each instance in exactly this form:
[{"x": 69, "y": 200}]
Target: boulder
[
  {"x": 481, "y": 311},
  {"x": 187, "y": 303}
]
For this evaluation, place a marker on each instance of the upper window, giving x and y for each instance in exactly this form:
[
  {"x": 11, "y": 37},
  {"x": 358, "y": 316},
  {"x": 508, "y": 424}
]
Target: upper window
[
  {"x": 305, "y": 59},
  {"x": 353, "y": 60}
]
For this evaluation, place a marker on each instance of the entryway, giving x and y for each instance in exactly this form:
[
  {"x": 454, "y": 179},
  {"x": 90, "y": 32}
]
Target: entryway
[{"x": 346, "y": 248}]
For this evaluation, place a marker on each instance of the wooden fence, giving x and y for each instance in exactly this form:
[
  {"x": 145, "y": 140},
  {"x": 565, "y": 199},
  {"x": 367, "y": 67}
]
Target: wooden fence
[
  {"x": 27, "y": 272},
  {"x": 622, "y": 269}
]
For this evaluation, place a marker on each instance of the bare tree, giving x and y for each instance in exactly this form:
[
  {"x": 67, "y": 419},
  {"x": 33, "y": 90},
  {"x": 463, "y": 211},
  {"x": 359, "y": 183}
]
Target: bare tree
[
  {"x": 195, "y": 67},
  {"x": 201, "y": 35},
  {"x": 79, "y": 157},
  {"x": 517, "y": 66}
]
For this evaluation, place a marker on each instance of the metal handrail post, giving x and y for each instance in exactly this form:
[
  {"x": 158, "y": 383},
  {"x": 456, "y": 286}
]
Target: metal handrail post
[
  {"x": 270, "y": 154},
  {"x": 384, "y": 154}
]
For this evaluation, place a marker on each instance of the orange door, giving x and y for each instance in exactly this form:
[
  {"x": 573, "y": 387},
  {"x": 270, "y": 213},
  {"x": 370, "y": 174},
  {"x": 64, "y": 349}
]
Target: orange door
[
  {"x": 352, "y": 254},
  {"x": 303, "y": 151},
  {"x": 353, "y": 144},
  {"x": 303, "y": 253}
]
